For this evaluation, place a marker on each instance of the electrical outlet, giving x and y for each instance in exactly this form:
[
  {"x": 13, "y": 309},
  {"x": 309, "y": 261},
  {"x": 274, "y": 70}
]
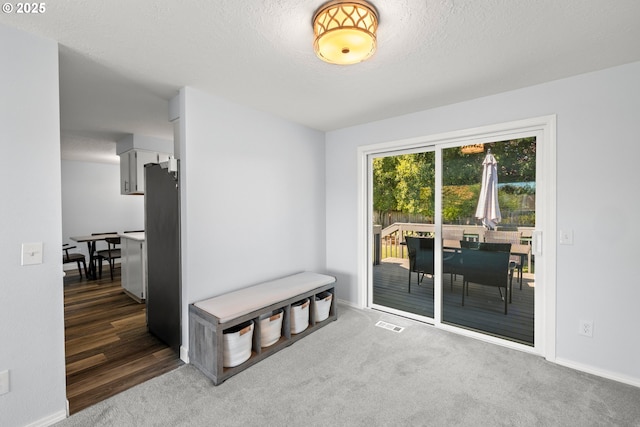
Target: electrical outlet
[
  {"x": 4, "y": 382},
  {"x": 586, "y": 328}
]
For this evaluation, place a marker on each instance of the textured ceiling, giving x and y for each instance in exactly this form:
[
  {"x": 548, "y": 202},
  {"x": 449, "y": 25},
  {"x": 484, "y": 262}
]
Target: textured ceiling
[{"x": 121, "y": 60}]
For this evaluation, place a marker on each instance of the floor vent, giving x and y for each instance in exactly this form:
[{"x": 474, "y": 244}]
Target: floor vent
[{"x": 389, "y": 326}]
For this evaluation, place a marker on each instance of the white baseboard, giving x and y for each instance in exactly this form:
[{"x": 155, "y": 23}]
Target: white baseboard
[
  {"x": 598, "y": 372},
  {"x": 349, "y": 303},
  {"x": 49, "y": 420},
  {"x": 184, "y": 354}
]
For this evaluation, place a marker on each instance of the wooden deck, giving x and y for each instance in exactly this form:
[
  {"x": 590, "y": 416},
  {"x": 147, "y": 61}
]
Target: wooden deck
[
  {"x": 107, "y": 346},
  {"x": 483, "y": 310}
]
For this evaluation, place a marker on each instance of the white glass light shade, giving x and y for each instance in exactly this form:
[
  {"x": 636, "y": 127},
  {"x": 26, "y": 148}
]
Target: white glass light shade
[{"x": 345, "y": 32}]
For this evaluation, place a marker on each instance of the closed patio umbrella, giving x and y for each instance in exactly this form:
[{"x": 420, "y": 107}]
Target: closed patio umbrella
[{"x": 488, "y": 208}]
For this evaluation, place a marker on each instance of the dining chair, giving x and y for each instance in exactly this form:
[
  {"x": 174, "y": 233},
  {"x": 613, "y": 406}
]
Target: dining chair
[
  {"x": 111, "y": 254},
  {"x": 488, "y": 265},
  {"x": 420, "y": 256},
  {"x": 451, "y": 255},
  {"x": 78, "y": 258},
  {"x": 513, "y": 237},
  {"x": 500, "y": 247},
  {"x": 466, "y": 244}
]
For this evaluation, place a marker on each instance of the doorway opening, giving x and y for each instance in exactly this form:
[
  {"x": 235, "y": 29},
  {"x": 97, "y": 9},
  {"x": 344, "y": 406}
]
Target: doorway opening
[{"x": 108, "y": 348}]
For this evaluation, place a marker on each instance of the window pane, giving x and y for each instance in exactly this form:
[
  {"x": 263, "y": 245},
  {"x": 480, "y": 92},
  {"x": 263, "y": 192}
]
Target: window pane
[
  {"x": 403, "y": 207},
  {"x": 489, "y": 260}
]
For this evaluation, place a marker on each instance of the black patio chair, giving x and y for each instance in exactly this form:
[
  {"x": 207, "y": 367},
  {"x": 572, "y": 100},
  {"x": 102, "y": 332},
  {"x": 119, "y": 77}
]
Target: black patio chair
[
  {"x": 513, "y": 237},
  {"x": 420, "y": 256},
  {"x": 488, "y": 265}
]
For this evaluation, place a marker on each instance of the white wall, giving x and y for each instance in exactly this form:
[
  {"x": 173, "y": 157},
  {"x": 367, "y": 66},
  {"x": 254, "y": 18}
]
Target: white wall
[
  {"x": 92, "y": 203},
  {"x": 31, "y": 298},
  {"x": 598, "y": 146},
  {"x": 252, "y": 198}
]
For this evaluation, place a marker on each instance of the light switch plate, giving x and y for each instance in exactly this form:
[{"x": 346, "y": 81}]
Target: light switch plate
[
  {"x": 31, "y": 253},
  {"x": 566, "y": 237}
]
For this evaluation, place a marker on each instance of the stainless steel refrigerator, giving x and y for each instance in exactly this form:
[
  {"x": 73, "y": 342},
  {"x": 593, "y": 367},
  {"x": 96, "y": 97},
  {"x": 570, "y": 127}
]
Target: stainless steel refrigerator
[{"x": 162, "y": 234}]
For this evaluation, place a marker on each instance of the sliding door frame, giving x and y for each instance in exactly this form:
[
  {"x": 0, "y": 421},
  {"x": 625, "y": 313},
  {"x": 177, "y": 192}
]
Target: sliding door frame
[{"x": 544, "y": 247}]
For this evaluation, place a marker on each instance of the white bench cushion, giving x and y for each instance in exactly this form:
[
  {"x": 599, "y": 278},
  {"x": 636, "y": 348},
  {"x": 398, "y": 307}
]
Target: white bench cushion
[{"x": 238, "y": 303}]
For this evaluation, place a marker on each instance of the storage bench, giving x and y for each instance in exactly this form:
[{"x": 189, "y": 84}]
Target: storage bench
[{"x": 209, "y": 319}]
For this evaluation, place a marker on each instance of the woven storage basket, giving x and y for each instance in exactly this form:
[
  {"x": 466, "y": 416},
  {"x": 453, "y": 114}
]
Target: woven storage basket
[
  {"x": 299, "y": 316},
  {"x": 237, "y": 344},
  {"x": 270, "y": 328},
  {"x": 323, "y": 305}
]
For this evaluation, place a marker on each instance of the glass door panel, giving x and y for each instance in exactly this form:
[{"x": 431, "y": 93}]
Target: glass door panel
[
  {"x": 403, "y": 232},
  {"x": 487, "y": 282}
]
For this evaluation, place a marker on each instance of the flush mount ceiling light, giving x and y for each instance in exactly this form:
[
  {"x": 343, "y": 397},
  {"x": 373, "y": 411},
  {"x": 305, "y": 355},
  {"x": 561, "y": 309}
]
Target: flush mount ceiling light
[{"x": 345, "y": 31}]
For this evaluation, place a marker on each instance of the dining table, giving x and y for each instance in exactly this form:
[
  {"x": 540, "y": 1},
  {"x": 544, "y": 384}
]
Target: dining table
[{"x": 92, "y": 272}]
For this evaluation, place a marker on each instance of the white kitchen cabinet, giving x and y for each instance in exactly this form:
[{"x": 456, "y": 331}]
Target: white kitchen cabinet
[
  {"x": 132, "y": 169},
  {"x": 134, "y": 265}
]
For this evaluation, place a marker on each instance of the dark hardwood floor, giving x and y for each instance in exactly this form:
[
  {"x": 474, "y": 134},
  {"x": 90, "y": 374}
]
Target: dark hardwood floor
[
  {"x": 107, "y": 346},
  {"x": 483, "y": 310}
]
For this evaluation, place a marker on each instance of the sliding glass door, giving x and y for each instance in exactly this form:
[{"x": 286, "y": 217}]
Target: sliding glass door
[{"x": 452, "y": 225}]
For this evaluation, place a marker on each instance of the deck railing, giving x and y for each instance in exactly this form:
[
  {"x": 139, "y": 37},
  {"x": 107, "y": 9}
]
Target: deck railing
[{"x": 388, "y": 242}]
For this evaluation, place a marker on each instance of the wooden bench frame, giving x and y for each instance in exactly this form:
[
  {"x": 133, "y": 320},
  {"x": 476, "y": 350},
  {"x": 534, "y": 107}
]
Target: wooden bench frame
[{"x": 206, "y": 339}]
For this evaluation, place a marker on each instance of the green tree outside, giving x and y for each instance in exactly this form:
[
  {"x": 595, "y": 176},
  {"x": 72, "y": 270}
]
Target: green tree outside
[{"x": 406, "y": 183}]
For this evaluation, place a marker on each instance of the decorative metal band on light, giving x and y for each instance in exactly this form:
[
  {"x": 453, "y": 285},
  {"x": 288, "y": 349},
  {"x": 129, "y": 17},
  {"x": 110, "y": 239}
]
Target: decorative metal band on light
[
  {"x": 345, "y": 31},
  {"x": 472, "y": 149}
]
